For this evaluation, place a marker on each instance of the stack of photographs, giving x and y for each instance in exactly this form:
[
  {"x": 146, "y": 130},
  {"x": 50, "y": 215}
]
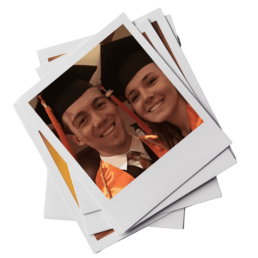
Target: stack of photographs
[{"x": 127, "y": 135}]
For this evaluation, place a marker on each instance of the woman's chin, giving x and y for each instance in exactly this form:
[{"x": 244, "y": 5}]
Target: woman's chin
[
  {"x": 159, "y": 115},
  {"x": 157, "y": 118}
]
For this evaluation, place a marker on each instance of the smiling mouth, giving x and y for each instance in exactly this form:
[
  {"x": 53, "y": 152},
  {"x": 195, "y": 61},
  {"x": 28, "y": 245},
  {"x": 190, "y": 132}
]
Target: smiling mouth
[
  {"x": 109, "y": 130},
  {"x": 156, "y": 106}
]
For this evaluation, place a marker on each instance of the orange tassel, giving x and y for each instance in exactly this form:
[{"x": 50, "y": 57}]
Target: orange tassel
[
  {"x": 57, "y": 126},
  {"x": 145, "y": 127}
]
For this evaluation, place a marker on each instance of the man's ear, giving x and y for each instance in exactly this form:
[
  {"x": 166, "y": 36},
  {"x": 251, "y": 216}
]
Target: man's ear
[{"x": 77, "y": 140}]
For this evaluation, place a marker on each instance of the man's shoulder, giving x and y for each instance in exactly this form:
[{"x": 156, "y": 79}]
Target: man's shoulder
[{"x": 89, "y": 160}]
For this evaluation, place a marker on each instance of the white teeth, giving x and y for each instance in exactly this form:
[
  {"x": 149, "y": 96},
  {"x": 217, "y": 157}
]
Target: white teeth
[
  {"x": 110, "y": 129},
  {"x": 156, "y": 106}
]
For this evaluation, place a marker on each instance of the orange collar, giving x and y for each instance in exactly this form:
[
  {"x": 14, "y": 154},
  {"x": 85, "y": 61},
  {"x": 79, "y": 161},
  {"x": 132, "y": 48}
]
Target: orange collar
[{"x": 194, "y": 118}]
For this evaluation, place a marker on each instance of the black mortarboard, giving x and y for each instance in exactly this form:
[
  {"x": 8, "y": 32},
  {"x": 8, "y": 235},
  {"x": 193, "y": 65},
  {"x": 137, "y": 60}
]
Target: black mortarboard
[
  {"x": 120, "y": 61},
  {"x": 65, "y": 90}
]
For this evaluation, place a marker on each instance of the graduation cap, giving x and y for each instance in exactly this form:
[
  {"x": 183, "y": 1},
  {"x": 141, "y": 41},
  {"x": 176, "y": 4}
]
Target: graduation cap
[
  {"x": 120, "y": 61},
  {"x": 56, "y": 89},
  {"x": 61, "y": 94}
]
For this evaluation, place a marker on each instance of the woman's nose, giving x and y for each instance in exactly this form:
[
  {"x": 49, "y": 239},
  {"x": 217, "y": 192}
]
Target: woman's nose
[{"x": 147, "y": 97}]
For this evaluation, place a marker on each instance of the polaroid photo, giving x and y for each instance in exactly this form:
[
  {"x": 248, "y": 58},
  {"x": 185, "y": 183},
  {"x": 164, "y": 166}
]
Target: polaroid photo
[
  {"x": 205, "y": 194},
  {"x": 120, "y": 203},
  {"x": 207, "y": 176}
]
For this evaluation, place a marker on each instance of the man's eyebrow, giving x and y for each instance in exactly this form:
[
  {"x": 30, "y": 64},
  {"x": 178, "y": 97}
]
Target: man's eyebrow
[
  {"x": 83, "y": 112},
  {"x": 77, "y": 115},
  {"x": 96, "y": 100},
  {"x": 143, "y": 79}
]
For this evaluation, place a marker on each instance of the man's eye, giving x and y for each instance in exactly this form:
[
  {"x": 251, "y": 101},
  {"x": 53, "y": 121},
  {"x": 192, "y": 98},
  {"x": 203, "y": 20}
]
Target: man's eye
[
  {"x": 101, "y": 104},
  {"x": 134, "y": 98},
  {"x": 81, "y": 122}
]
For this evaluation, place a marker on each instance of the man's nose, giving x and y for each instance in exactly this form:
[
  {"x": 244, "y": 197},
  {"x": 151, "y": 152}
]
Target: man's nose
[{"x": 98, "y": 120}]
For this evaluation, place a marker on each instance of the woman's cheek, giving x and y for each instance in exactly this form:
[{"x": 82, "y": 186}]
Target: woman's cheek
[{"x": 141, "y": 110}]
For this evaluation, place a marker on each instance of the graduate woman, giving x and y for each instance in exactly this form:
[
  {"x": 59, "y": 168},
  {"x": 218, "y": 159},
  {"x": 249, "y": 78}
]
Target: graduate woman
[{"x": 127, "y": 68}]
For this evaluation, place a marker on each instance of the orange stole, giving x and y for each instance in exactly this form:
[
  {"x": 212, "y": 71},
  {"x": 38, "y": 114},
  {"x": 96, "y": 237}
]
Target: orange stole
[
  {"x": 117, "y": 179},
  {"x": 195, "y": 120}
]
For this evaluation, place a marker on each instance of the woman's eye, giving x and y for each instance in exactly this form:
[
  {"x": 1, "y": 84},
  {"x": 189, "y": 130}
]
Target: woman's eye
[
  {"x": 134, "y": 98},
  {"x": 152, "y": 81}
]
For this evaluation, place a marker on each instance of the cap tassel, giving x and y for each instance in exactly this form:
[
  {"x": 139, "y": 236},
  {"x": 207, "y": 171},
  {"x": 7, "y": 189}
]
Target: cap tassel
[
  {"x": 57, "y": 126},
  {"x": 145, "y": 127}
]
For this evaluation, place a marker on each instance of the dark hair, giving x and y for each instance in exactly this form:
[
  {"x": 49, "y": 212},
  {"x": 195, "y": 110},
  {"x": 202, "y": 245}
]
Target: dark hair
[
  {"x": 168, "y": 133},
  {"x": 66, "y": 128}
]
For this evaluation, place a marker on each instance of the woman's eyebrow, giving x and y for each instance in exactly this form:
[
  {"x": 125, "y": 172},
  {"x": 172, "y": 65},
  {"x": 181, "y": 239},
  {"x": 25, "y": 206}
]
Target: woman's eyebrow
[
  {"x": 146, "y": 76},
  {"x": 131, "y": 92},
  {"x": 143, "y": 79}
]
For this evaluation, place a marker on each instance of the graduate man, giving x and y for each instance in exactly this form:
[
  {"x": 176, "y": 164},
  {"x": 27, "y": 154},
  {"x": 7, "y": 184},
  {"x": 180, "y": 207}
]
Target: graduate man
[{"x": 90, "y": 117}]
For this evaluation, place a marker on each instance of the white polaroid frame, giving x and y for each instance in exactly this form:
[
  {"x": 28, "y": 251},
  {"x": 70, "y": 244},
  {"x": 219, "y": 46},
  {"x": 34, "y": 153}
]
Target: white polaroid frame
[
  {"x": 124, "y": 210},
  {"x": 57, "y": 208},
  {"x": 44, "y": 54}
]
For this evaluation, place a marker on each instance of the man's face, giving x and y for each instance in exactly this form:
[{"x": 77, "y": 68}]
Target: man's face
[{"x": 95, "y": 121}]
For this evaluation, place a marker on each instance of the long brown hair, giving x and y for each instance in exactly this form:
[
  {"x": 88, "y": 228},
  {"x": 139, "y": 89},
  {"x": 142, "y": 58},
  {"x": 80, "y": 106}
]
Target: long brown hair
[{"x": 168, "y": 133}]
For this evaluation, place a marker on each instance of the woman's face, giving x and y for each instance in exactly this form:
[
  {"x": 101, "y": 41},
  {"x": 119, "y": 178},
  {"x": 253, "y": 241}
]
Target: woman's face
[{"x": 152, "y": 95}]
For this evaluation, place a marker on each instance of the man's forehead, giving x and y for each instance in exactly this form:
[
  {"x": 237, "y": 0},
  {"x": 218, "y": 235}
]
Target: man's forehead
[{"x": 83, "y": 103}]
